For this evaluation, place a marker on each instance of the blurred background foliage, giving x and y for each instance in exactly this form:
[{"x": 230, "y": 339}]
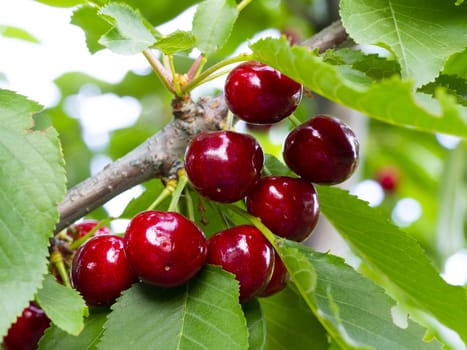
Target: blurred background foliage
[{"x": 429, "y": 173}]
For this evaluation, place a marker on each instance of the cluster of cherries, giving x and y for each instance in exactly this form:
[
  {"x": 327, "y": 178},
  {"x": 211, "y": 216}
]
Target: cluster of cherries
[{"x": 166, "y": 249}]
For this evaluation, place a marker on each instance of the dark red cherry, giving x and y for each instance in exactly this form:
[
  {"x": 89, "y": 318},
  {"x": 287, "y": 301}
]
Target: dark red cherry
[
  {"x": 259, "y": 94},
  {"x": 279, "y": 280},
  {"x": 224, "y": 166},
  {"x": 165, "y": 248},
  {"x": 389, "y": 178},
  {"x": 322, "y": 150},
  {"x": 26, "y": 332},
  {"x": 100, "y": 270},
  {"x": 82, "y": 228},
  {"x": 288, "y": 206},
  {"x": 243, "y": 251}
]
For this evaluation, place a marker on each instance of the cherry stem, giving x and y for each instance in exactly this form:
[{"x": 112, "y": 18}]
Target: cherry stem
[
  {"x": 229, "y": 121},
  {"x": 165, "y": 193},
  {"x": 160, "y": 70},
  {"x": 182, "y": 181},
  {"x": 189, "y": 204},
  {"x": 176, "y": 83},
  {"x": 204, "y": 76},
  {"x": 294, "y": 120},
  {"x": 243, "y": 4},
  {"x": 196, "y": 67},
  {"x": 57, "y": 260},
  {"x": 79, "y": 242}
]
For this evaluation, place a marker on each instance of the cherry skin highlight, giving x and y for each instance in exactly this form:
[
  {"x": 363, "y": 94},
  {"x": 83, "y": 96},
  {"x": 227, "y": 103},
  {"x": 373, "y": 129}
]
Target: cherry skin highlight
[
  {"x": 288, "y": 206},
  {"x": 223, "y": 166},
  {"x": 323, "y": 150},
  {"x": 164, "y": 248},
  {"x": 100, "y": 270},
  {"x": 27, "y": 330},
  {"x": 279, "y": 280},
  {"x": 82, "y": 228},
  {"x": 259, "y": 94},
  {"x": 243, "y": 251}
]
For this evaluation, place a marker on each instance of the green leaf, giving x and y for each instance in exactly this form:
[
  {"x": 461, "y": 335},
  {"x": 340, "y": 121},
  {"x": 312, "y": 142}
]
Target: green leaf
[
  {"x": 63, "y": 305},
  {"x": 273, "y": 166},
  {"x": 422, "y": 34},
  {"x": 203, "y": 314},
  {"x": 175, "y": 42},
  {"x": 17, "y": 33},
  {"x": 456, "y": 65},
  {"x": 213, "y": 23},
  {"x": 131, "y": 33},
  {"x": 256, "y": 325},
  {"x": 390, "y": 100},
  {"x": 355, "y": 311},
  {"x": 87, "y": 18},
  {"x": 396, "y": 256},
  {"x": 62, "y": 3},
  {"x": 56, "y": 339},
  {"x": 32, "y": 182},
  {"x": 290, "y": 323}
]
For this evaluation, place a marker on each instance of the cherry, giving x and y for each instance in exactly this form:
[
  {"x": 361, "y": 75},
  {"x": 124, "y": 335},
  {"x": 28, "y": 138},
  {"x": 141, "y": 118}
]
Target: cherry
[
  {"x": 279, "y": 280},
  {"x": 165, "y": 248},
  {"x": 100, "y": 270},
  {"x": 28, "y": 329},
  {"x": 82, "y": 228},
  {"x": 224, "y": 166},
  {"x": 388, "y": 177},
  {"x": 259, "y": 94},
  {"x": 322, "y": 150},
  {"x": 288, "y": 206},
  {"x": 243, "y": 251}
]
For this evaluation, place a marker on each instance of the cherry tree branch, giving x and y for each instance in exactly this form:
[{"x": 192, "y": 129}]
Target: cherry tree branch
[{"x": 160, "y": 155}]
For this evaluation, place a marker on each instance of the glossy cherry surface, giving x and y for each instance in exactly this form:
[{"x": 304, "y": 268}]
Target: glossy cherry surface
[
  {"x": 260, "y": 94},
  {"x": 165, "y": 248},
  {"x": 279, "y": 280},
  {"x": 80, "y": 229},
  {"x": 243, "y": 251},
  {"x": 389, "y": 178},
  {"x": 322, "y": 150},
  {"x": 100, "y": 270},
  {"x": 288, "y": 206},
  {"x": 224, "y": 166},
  {"x": 27, "y": 330}
]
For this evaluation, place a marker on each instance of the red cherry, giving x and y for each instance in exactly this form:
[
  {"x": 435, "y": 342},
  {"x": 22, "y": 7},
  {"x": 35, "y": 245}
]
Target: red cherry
[
  {"x": 100, "y": 270},
  {"x": 259, "y": 94},
  {"x": 288, "y": 206},
  {"x": 165, "y": 248},
  {"x": 322, "y": 150},
  {"x": 82, "y": 228},
  {"x": 28, "y": 329},
  {"x": 279, "y": 280},
  {"x": 388, "y": 177},
  {"x": 224, "y": 166},
  {"x": 243, "y": 251}
]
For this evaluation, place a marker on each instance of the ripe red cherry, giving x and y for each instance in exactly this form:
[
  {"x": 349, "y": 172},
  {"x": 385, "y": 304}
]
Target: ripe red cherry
[
  {"x": 164, "y": 248},
  {"x": 100, "y": 270},
  {"x": 26, "y": 332},
  {"x": 82, "y": 228},
  {"x": 259, "y": 94},
  {"x": 322, "y": 150},
  {"x": 224, "y": 166},
  {"x": 388, "y": 177},
  {"x": 243, "y": 251},
  {"x": 288, "y": 206},
  {"x": 279, "y": 280}
]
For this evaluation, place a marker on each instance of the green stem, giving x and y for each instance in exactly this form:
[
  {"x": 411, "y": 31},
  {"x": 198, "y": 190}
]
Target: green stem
[
  {"x": 57, "y": 260},
  {"x": 160, "y": 70},
  {"x": 294, "y": 120},
  {"x": 243, "y": 4},
  {"x": 182, "y": 181},
  {"x": 166, "y": 192},
  {"x": 189, "y": 204},
  {"x": 213, "y": 69},
  {"x": 176, "y": 84}
]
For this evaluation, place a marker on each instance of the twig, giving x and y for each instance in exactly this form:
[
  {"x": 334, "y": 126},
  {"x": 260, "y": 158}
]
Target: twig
[
  {"x": 157, "y": 157},
  {"x": 330, "y": 37}
]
